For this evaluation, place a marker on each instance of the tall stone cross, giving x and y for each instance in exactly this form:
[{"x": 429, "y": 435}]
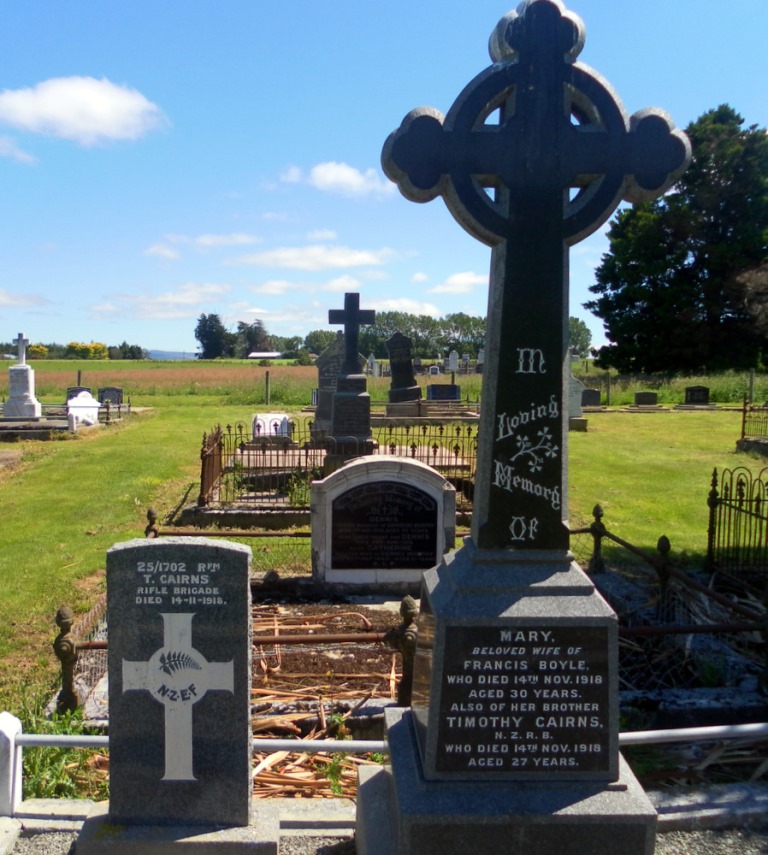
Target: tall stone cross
[
  {"x": 533, "y": 156},
  {"x": 22, "y": 344},
  {"x": 353, "y": 317},
  {"x": 178, "y": 676}
]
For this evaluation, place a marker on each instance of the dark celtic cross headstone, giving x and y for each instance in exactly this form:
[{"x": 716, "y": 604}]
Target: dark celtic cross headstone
[
  {"x": 516, "y": 674},
  {"x": 554, "y": 148}
]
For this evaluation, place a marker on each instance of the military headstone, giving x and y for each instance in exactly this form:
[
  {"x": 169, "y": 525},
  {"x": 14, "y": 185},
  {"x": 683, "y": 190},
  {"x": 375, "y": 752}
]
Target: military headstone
[
  {"x": 403, "y": 385},
  {"x": 21, "y": 402},
  {"x": 534, "y": 155},
  {"x": 379, "y": 523},
  {"x": 179, "y": 617}
]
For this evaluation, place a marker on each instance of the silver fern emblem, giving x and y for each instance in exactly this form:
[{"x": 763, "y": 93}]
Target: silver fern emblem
[{"x": 173, "y": 662}]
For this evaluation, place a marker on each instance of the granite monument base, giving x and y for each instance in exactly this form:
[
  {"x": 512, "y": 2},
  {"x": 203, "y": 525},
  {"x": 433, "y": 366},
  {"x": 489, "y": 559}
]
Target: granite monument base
[
  {"x": 403, "y": 394},
  {"x": 401, "y": 813},
  {"x": 100, "y": 837},
  {"x": 21, "y": 402}
]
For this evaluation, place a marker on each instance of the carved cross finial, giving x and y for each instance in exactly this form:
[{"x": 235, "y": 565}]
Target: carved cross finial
[
  {"x": 352, "y": 316},
  {"x": 22, "y": 344}
]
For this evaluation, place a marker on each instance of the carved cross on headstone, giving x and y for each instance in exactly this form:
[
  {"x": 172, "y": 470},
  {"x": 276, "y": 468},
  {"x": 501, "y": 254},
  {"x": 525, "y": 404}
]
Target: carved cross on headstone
[
  {"x": 178, "y": 676},
  {"x": 22, "y": 344},
  {"x": 534, "y": 155},
  {"x": 353, "y": 317}
]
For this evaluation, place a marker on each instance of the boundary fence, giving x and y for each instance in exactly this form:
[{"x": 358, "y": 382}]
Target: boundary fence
[{"x": 754, "y": 421}]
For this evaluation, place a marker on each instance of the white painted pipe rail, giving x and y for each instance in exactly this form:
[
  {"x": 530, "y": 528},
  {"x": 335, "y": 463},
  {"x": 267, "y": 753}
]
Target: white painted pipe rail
[{"x": 693, "y": 734}]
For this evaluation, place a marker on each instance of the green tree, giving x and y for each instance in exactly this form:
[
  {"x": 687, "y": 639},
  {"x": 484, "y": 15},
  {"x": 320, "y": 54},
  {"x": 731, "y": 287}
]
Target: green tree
[
  {"x": 215, "y": 340},
  {"x": 579, "y": 337},
  {"x": 250, "y": 338},
  {"x": 316, "y": 341},
  {"x": 672, "y": 291}
]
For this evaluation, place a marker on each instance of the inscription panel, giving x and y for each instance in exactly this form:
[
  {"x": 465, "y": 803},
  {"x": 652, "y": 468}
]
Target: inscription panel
[
  {"x": 528, "y": 700},
  {"x": 384, "y": 524}
]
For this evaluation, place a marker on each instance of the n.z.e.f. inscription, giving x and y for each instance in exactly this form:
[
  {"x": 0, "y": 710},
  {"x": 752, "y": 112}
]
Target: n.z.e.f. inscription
[
  {"x": 162, "y": 583},
  {"x": 528, "y": 700}
]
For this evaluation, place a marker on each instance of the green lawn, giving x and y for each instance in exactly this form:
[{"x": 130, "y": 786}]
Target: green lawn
[{"x": 70, "y": 501}]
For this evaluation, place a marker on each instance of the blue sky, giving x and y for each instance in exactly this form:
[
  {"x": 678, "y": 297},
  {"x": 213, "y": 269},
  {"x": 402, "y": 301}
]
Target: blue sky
[{"x": 164, "y": 158}]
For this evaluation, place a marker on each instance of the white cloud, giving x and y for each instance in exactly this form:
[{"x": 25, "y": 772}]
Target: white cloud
[
  {"x": 277, "y": 287},
  {"x": 8, "y": 148},
  {"x": 322, "y": 234},
  {"x": 316, "y": 257},
  {"x": 17, "y": 301},
  {"x": 460, "y": 283},
  {"x": 81, "y": 109},
  {"x": 162, "y": 250},
  {"x": 172, "y": 305},
  {"x": 237, "y": 239},
  {"x": 332, "y": 177},
  {"x": 342, "y": 284},
  {"x": 291, "y": 175},
  {"x": 405, "y": 304},
  {"x": 418, "y": 278}
]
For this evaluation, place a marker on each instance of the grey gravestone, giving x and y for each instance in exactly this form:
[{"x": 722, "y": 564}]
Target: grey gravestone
[
  {"x": 646, "y": 399},
  {"x": 480, "y": 360},
  {"x": 351, "y": 414},
  {"x": 453, "y": 360},
  {"x": 590, "y": 398},
  {"x": 74, "y": 391},
  {"x": 379, "y": 523},
  {"x": 113, "y": 394},
  {"x": 443, "y": 392},
  {"x": 554, "y": 148},
  {"x": 403, "y": 385},
  {"x": 329, "y": 365},
  {"x": 697, "y": 395},
  {"x": 179, "y": 618},
  {"x": 21, "y": 402}
]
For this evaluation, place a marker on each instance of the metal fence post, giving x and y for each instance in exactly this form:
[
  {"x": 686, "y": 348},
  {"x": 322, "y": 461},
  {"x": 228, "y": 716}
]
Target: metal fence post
[
  {"x": 10, "y": 764},
  {"x": 597, "y": 529}
]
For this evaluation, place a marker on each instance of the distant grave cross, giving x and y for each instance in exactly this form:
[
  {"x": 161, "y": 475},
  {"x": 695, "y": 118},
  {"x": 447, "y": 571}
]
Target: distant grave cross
[
  {"x": 178, "y": 676},
  {"x": 534, "y": 155},
  {"x": 22, "y": 344},
  {"x": 353, "y": 317}
]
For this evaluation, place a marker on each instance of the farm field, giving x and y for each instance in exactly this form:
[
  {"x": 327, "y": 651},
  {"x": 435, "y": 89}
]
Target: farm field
[{"x": 65, "y": 503}]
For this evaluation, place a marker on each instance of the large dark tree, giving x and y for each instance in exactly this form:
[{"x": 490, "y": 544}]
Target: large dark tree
[
  {"x": 672, "y": 291},
  {"x": 215, "y": 340}
]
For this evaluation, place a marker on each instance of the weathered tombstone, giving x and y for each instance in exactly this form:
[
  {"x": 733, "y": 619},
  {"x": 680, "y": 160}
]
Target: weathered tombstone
[
  {"x": 646, "y": 399},
  {"x": 329, "y": 365},
  {"x": 576, "y": 420},
  {"x": 21, "y": 402},
  {"x": 403, "y": 386},
  {"x": 351, "y": 412},
  {"x": 453, "y": 360},
  {"x": 534, "y": 155},
  {"x": 379, "y": 523},
  {"x": 179, "y": 618},
  {"x": 74, "y": 391},
  {"x": 443, "y": 392},
  {"x": 83, "y": 409},
  {"x": 417, "y": 365},
  {"x": 697, "y": 396},
  {"x": 591, "y": 398},
  {"x": 265, "y": 425},
  {"x": 480, "y": 360},
  {"x": 113, "y": 394}
]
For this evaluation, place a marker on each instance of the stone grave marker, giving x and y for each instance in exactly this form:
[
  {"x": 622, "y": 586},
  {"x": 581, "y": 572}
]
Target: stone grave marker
[
  {"x": 351, "y": 411},
  {"x": 646, "y": 399},
  {"x": 265, "y": 425},
  {"x": 403, "y": 386},
  {"x": 443, "y": 392},
  {"x": 113, "y": 394},
  {"x": 591, "y": 398},
  {"x": 179, "y": 619},
  {"x": 513, "y": 732},
  {"x": 697, "y": 396},
  {"x": 21, "y": 402},
  {"x": 379, "y": 523},
  {"x": 480, "y": 360},
  {"x": 328, "y": 365},
  {"x": 83, "y": 409},
  {"x": 453, "y": 360}
]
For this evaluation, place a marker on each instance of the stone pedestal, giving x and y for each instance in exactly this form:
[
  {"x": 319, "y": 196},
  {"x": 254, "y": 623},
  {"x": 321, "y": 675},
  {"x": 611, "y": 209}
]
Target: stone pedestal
[
  {"x": 350, "y": 434},
  {"x": 399, "y": 813},
  {"x": 21, "y": 403}
]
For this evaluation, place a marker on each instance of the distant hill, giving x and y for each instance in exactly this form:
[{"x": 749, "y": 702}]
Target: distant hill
[{"x": 171, "y": 354}]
